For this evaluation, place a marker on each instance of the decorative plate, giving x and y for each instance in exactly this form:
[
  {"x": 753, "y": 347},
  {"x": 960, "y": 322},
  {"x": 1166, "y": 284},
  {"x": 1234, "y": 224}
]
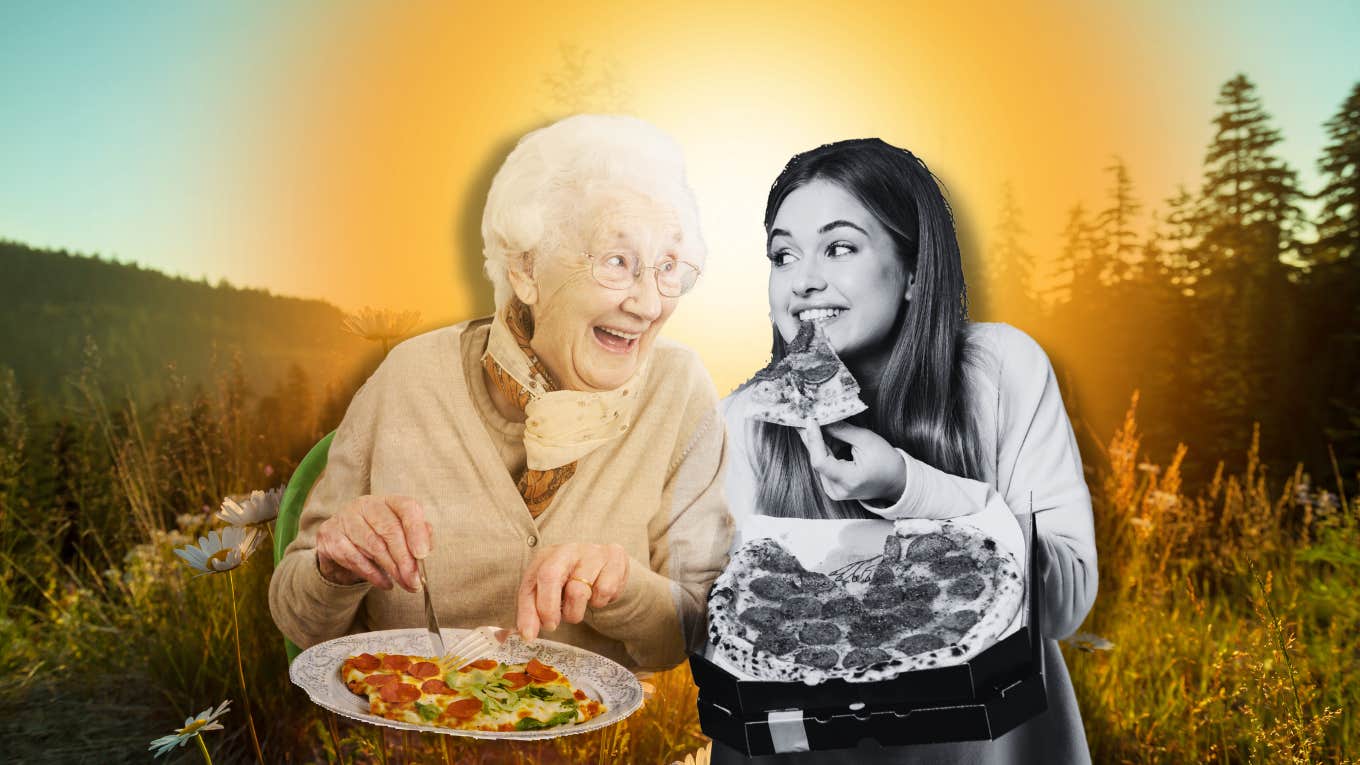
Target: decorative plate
[{"x": 317, "y": 671}]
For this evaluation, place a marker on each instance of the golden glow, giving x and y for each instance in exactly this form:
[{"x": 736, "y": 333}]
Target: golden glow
[{"x": 402, "y": 113}]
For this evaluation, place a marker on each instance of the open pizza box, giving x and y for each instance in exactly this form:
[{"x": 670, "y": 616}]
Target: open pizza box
[{"x": 994, "y": 691}]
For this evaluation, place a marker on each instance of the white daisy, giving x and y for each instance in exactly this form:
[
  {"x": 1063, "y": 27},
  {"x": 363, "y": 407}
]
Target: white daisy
[
  {"x": 259, "y": 508},
  {"x": 698, "y": 757},
  {"x": 193, "y": 726},
  {"x": 221, "y": 551},
  {"x": 381, "y": 325}
]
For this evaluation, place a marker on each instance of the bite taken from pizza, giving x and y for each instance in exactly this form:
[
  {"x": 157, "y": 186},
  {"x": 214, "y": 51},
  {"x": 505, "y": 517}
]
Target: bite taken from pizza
[
  {"x": 809, "y": 385},
  {"x": 482, "y": 695},
  {"x": 939, "y": 593}
]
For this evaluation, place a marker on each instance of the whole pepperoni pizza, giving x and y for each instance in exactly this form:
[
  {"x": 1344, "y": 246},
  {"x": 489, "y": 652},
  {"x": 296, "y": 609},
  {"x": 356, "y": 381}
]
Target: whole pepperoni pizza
[{"x": 938, "y": 594}]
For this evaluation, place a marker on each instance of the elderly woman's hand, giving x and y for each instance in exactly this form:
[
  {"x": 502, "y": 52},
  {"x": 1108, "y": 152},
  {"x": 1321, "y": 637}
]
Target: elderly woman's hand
[
  {"x": 563, "y": 580},
  {"x": 376, "y": 539},
  {"x": 874, "y": 471}
]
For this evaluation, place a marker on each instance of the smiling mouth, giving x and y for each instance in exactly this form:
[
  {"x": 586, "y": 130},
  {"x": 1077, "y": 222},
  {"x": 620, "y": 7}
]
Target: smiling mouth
[
  {"x": 616, "y": 341},
  {"x": 819, "y": 314}
]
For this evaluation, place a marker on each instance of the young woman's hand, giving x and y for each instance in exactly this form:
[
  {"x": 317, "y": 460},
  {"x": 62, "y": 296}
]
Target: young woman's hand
[{"x": 874, "y": 471}]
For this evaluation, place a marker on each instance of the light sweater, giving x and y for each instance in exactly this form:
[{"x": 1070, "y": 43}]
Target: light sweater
[
  {"x": 424, "y": 426},
  {"x": 1028, "y": 447}
]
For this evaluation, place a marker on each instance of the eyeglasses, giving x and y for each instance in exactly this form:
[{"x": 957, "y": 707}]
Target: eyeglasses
[{"x": 620, "y": 270}]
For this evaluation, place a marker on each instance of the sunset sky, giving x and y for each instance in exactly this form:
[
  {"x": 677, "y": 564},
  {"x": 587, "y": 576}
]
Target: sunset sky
[{"x": 341, "y": 150}]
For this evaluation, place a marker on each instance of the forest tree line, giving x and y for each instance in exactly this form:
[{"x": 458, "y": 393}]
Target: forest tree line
[{"x": 1233, "y": 305}]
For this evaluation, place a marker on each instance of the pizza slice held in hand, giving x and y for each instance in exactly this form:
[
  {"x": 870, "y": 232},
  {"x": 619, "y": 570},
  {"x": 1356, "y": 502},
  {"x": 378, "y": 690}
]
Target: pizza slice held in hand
[{"x": 809, "y": 385}]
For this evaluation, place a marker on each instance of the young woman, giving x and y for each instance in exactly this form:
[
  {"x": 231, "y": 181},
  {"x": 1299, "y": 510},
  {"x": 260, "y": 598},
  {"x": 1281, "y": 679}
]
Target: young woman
[{"x": 861, "y": 239}]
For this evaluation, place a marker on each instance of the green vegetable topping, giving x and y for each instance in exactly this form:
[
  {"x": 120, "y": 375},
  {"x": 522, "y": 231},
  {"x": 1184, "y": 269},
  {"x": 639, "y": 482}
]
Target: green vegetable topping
[{"x": 567, "y": 715}]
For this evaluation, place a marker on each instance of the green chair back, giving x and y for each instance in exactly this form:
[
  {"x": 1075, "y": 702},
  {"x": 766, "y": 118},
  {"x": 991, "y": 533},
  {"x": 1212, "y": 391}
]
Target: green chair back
[{"x": 290, "y": 508}]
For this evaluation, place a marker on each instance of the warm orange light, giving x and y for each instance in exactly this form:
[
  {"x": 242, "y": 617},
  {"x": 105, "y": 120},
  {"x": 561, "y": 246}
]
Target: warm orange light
[{"x": 398, "y": 118}]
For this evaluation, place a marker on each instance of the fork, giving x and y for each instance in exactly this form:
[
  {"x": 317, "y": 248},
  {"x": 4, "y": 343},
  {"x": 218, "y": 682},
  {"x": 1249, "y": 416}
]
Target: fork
[{"x": 478, "y": 642}]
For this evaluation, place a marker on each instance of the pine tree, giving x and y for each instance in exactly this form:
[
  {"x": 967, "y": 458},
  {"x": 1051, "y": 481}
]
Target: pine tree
[
  {"x": 1081, "y": 255},
  {"x": 1334, "y": 291},
  {"x": 1120, "y": 255},
  {"x": 1248, "y": 219},
  {"x": 1179, "y": 261},
  {"x": 1337, "y": 228},
  {"x": 1010, "y": 267},
  {"x": 1250, "y": 196}
]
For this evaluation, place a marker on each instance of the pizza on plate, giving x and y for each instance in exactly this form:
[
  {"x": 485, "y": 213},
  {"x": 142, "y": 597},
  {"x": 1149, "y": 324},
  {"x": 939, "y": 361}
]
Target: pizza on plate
[
  {"x": 482, "y": 695},
  {"x": 938, "y": 594},
  {"x": 810, "y": 384}
]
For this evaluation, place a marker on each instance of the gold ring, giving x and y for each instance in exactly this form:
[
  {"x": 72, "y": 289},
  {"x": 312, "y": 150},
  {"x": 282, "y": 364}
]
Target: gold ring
[{"x": 582, "y": 581}]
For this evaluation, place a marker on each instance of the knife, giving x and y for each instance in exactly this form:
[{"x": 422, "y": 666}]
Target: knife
[{"x": 431, "y": 621}]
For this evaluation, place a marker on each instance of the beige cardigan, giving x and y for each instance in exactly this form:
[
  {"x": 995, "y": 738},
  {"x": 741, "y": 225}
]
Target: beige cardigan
[{"x": 421, "y": 427}]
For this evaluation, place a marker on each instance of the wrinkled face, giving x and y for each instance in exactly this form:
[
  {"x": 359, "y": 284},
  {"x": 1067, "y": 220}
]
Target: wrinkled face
[
  {"x": 591, "y": 337},
  {"x": 832, "y": 262}
]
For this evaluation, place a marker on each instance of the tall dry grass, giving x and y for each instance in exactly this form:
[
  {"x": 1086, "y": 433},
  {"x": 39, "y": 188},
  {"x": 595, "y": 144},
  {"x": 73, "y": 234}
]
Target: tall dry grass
[
  {"x": 107, "y": 641},
  {"x": 1231, "y": 607},
  {"x": 1232, "y": 611}
]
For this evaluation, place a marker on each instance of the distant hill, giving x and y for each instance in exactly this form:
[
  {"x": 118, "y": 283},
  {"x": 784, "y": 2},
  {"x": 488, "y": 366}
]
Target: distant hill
[{"x": 148, "y": 326}]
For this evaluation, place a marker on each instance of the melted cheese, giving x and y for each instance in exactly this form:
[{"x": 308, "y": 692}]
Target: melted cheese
[{"x": 506, "y": 703}]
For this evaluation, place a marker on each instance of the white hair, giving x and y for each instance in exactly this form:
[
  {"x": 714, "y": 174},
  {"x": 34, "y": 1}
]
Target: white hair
[{"x": 543, "y": 189}]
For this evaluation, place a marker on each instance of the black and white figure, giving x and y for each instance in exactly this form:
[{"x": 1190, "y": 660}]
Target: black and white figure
[{"x": 861, "y": 240}]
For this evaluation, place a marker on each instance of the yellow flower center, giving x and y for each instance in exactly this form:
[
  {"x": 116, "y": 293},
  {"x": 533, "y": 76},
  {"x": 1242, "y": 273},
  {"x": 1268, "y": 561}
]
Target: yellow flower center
[
  {"x": 220, "y": 555},
  {"x": 192, "y": 727}
]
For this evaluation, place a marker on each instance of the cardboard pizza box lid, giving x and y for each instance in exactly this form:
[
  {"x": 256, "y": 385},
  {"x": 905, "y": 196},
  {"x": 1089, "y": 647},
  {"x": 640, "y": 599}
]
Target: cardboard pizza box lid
[{"x": 1001, "y": 665}]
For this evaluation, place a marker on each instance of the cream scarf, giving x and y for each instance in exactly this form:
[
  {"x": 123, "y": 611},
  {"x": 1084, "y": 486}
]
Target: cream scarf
[{"x": 561, "y": 426}]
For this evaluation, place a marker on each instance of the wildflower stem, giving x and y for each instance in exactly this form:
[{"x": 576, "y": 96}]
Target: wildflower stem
[
  {"x": 335, "y": 736},
  {"x": 1278, "y": 631},
  {"x": 382, "y": 745},
  {"x": 202, "y": 747},
  {"x": 240, "y": 670}
]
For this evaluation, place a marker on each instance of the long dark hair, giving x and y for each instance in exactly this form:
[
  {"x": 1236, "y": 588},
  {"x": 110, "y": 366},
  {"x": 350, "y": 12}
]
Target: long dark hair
[{"x": 921, "y": 404}]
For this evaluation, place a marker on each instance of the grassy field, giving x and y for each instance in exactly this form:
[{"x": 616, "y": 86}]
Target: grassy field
[{"x": 1230, "y": 607}]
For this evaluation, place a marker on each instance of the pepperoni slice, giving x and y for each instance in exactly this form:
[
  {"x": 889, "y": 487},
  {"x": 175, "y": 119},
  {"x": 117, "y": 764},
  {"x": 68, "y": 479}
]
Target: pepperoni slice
[
  {"x": 579, "y": 695},
  {"x": 436, "y": 686},
  {"x": 463, "y": 709},
  {"x": 540, "y": 672},
  {"x": 480, "y": 664},
  {"x": 397, "y": 693},
  {"x": 424, "y": 669},
  {"x": 517, "y": 680},
  {"x": 378, "y": 680},
  {"x": 396, "y": 661},
  {"x": 365, "y": 662}
]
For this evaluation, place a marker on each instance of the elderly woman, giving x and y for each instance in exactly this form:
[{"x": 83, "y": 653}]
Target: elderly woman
[{"x": 558, "y": 466}]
